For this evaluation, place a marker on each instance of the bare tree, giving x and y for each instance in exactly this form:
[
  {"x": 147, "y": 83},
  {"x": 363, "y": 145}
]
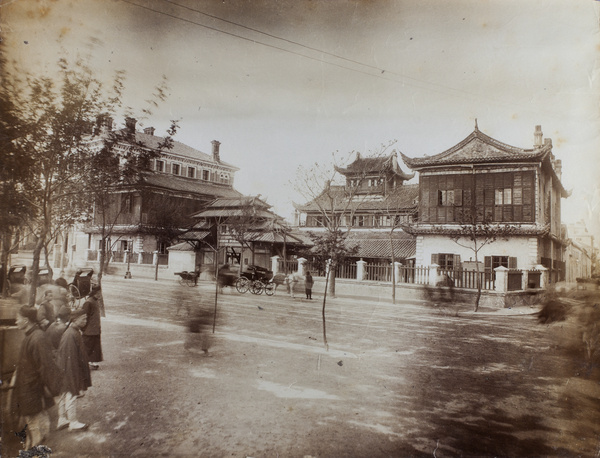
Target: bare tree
[
  {"x": 336, "y": 201},
  {"x": 474, "y": 233}
]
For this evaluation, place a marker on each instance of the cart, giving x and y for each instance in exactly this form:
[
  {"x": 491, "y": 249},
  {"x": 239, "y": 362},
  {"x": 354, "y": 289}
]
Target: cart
[
  {"x": 188, "y": 278},
  {"x": 256, "y": 279},
  {"x": 80, "y": 287}
]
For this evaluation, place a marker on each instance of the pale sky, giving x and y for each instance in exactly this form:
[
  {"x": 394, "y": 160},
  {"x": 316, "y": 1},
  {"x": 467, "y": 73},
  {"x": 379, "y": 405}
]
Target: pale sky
[{"x": 282, "y": 83}]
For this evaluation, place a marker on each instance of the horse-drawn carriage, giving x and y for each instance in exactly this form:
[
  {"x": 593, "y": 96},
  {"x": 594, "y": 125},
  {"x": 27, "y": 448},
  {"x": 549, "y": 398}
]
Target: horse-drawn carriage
[
  {"x": 256, "y": 279},
  {"x": 188, "y": 278}
]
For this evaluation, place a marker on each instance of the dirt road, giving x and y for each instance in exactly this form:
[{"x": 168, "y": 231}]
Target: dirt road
[{"x": 397, "y": 380}]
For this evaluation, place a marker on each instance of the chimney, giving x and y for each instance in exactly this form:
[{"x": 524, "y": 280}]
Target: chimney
[
  {"x": 104, "y": 123},
  {"x": 537, "y": 137},
  {"x": 215, "y": 150},
  {"x": 130, "y": 124},
  {"x": 149, "y": 130},
  {"x": 548, "y": 142}
]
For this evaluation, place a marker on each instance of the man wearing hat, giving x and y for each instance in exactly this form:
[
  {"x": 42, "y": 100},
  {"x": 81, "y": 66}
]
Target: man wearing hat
[
  {"x": 92, "y": 331},
  {"x": 35, "y": 381},
  {"x": 73, "y": 361}
]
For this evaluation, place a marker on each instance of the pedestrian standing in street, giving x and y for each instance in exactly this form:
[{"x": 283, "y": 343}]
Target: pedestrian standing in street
[
  {"x": 36, "y": 381},
  {"x": 56, "y": 329},
  {"x": 308, "y": 284},
  {"x": 292, "y": 282},
  {"x": 45, "y": 313},
  {"x": 92, "y": 330},
  {"x": 73, "y": 361}
]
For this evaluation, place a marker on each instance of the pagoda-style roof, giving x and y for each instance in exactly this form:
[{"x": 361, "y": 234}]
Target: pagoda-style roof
[
  {"x": 401, "y": 198},
  {"x": 479, "y": 148},
  {"x": 375, "y": 165}
]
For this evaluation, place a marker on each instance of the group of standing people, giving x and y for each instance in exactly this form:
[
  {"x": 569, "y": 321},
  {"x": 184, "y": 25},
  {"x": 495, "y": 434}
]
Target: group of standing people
[
  {"x": 292, "y": 280},
  {"x": 59, "y": 349}
]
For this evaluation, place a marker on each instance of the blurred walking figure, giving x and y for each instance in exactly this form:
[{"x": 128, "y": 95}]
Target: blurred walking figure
[
  {"x": 92, "y": 331},
  {"x": 56, "y": 329},
  {"x": 45, "y": 311},
  {"x": 198, "y": 337},
  {"x": 35, "y": 382},
  {"x": 308, "y": 284},
  {"x": 73, "y": 361}
]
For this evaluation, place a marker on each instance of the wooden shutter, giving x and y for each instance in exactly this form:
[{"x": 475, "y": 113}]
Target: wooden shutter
[
  {"x": 456, "y": 262},
  {"x": 512, "y": 262},
  {"x": 458, "y": 197},
  {"x": 487, "y": 262},
  {"x": 435, "y": 258}
]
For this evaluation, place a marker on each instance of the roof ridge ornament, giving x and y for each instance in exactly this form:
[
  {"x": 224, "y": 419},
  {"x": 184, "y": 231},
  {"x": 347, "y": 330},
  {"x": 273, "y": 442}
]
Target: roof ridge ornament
[{"x": 476, "y": 126}]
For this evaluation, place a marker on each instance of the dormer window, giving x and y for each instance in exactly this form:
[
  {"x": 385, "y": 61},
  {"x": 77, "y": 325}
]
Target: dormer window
[
  {"x": 160, "y": 166},
  {"x": 176, "y": 169},
  {"x": 191, "y": 172},
  {"x": 206, "y": 175}
]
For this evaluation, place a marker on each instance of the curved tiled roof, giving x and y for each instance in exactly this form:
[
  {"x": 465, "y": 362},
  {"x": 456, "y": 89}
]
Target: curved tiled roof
[
  {"x": 402, "y": 198},
  {"x": 366, "y": 165},
  {"x": 479, "y": 148}
]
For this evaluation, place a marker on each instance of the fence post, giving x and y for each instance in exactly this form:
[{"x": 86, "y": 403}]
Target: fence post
[
  {"x": 155, "y": 258},
  {"x": 433, "y": 274},
  {"x": 501, "y": 279},
  {"x": 140, "y": 257},
  {"x": 543, "y": 275},
  {"x": 396, "y": 267},
  {"x": 301, "y": 267},
  {"x": 360, "y": 269},
  {"x": 275, "y": 264},
  {"x": 525, "y": 279}
]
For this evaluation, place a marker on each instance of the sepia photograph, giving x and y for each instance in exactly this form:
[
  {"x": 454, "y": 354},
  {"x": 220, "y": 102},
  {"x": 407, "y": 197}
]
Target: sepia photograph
[{"x": 299, "y": 228}]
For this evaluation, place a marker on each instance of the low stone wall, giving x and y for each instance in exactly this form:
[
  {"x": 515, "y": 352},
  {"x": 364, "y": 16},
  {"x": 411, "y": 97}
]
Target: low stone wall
[{"x": 382, "y": 291}]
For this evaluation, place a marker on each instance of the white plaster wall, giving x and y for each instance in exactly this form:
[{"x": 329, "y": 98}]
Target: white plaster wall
[
  {"x": 518, "y": 247},
  {"x": 181, "y": 260}
]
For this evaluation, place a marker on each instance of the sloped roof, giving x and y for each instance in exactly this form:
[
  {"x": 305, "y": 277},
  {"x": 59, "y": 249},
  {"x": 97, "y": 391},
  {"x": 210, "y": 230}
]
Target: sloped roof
[
  {"x": 366, "y": 165},
  {"x": 373, "y": 244},
  {"x": 180, "y": 149},
  {"x": 479, "y": 148},
  {"x": 401, "y": 198},
  {"x": 190, "y": 185}
]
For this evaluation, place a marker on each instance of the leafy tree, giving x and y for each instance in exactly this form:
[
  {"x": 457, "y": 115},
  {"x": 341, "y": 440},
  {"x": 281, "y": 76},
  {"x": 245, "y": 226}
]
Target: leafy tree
[
  {"x": 57, "y": 120},
  {"x": 15, "y": 172},
  {"x": 116, "y": 165}
]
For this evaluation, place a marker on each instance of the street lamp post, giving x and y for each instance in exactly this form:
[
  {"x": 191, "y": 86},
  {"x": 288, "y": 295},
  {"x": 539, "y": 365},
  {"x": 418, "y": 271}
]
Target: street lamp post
[{"x": 128, "y": 254}]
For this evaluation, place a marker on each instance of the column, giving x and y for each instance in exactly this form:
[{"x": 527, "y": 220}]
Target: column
[
  {"x": 543, "y": 276},
  {"x": 155, "y": 258},
  {"x": 360, "y": 269},
  {"x": 397, "y": 271},
  {"x": 501, "y": 279},
  {"x": 275, "y": 264},
  {"x": 433, "y": 274}
]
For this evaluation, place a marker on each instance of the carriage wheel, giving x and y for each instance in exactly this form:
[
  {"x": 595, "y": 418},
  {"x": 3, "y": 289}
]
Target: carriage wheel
[
  {"x": 257, "y": 287},
  {"x": 270, "y": 289},
  {"x": 242, "y": 284},
  {"x": 190, "y": 281},
  {"x": 73, "y": 296}
]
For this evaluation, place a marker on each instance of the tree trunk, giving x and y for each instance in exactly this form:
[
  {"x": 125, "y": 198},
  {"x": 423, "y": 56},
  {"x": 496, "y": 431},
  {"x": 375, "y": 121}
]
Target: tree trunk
[
  {"x": 6, "y": 245},
  {"x": 35, "y": 267},
  {"x": 323, "y": 310},
  {"x": 331, "y": 278}
]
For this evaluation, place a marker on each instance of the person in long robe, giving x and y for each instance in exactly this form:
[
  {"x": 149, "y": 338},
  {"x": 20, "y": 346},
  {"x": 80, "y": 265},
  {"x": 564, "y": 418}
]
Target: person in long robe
[
  {"x": 73, "y": 361},
  {"x": 93, "y": 329},
  {"x": 36, "y": 380}
]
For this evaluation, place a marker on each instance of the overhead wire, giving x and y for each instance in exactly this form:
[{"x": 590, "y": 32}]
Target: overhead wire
[{"x": 381, "y": 73}]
